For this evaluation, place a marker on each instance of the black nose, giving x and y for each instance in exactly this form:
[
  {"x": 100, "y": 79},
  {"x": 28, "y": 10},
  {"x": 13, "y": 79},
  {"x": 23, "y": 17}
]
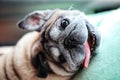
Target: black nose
[
  {"x": 62, "y": 59},
  {"x": 71, "y": 42}
]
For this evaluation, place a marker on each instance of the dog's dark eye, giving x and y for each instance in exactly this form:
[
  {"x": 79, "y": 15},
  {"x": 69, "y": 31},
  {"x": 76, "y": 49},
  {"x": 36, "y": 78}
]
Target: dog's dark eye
[{"x": 64, "y": 23}]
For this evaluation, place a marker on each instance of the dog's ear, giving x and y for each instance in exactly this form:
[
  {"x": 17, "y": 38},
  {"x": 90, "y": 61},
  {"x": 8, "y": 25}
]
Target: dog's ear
[
  {"x": 40, "y": 63},
  {"x": 94, "y": 37},
  {"x": 35, "y": 20}
]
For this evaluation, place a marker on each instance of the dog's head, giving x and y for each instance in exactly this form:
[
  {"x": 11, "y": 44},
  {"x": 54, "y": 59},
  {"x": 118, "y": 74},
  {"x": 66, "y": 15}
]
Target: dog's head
[{"x": 68, "y": 37}]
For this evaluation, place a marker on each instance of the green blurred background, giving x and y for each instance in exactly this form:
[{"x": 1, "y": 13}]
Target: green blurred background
[{"x": 11, "y": 11}]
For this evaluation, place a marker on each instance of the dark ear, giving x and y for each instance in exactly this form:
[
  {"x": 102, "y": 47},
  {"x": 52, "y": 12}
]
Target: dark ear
[
  {"x": 94, "y": 37},
  {"x": 35, "y": 20},
  {"x": 40, "y": 63}
]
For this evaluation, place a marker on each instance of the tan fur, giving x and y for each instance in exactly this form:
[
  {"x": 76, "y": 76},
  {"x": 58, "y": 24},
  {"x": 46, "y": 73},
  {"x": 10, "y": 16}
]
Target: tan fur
[{"x": 15, "y": 61}]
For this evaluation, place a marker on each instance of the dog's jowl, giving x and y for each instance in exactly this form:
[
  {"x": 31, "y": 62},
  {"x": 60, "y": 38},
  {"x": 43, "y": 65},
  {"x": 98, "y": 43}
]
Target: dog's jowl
[{"x": 62, "y": 41}]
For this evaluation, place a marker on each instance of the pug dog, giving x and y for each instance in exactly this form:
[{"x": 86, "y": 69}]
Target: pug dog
[{"x": 60, "y": 43}]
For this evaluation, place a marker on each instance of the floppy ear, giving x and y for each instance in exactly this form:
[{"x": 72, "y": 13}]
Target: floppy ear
[
  {"x": 41, "y": 64},
  {"x": 94, "y": 37},
  {"x": 35, "y": 20}
]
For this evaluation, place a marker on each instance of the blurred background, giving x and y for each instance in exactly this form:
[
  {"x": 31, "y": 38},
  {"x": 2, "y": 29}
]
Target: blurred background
[{"x": 11, "y": 11}]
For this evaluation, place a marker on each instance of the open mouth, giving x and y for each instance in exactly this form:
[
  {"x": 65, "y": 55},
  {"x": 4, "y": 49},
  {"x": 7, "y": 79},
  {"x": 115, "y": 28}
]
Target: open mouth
[{"x": 89, "y": 48}]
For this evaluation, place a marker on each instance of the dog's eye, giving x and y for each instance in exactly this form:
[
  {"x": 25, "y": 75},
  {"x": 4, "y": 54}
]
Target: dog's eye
[{"x": 64, "y": 23}]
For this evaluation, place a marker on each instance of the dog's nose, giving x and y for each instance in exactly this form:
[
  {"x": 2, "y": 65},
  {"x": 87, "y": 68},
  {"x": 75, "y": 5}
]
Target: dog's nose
[
  {"x": 71, "y": 42},
  {"x": 62, "y": 59}
]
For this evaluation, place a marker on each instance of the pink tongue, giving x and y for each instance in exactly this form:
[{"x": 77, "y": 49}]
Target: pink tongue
[{"x": 87, "y": 55}]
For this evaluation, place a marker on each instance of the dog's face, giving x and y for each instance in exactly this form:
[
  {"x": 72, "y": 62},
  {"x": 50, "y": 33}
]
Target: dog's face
[{"x": 64, "y": 34}]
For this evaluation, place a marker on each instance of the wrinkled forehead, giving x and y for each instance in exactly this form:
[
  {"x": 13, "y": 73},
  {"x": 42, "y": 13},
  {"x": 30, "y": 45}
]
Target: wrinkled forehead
[{"x": 71, "y": 13}]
